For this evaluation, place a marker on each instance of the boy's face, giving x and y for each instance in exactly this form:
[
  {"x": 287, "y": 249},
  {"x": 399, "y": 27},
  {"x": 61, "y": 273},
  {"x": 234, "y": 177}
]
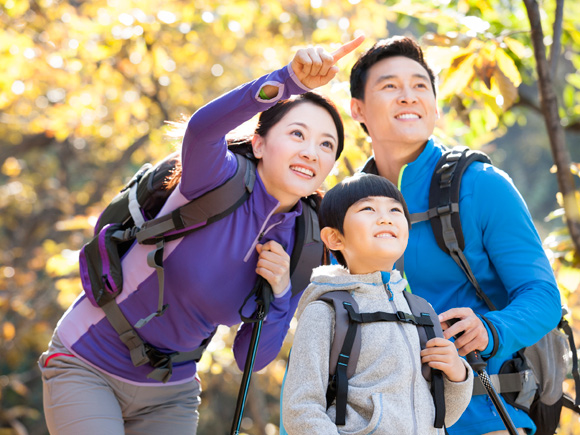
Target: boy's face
[
  {"x": 399, "y": 104},
  {"x": 376, "y": 232}
]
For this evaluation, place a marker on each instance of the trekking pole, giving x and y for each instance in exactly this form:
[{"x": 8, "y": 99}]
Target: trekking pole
[
  {"x": 263, "y": 297},
  {"x": 478, "y": 365}
]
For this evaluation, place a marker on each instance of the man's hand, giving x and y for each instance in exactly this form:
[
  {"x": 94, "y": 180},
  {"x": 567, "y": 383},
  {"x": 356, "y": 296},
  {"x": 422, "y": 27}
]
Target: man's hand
[
  {"x": 274, "y": 265},
  {"x": 315, "y": 67},
  {"x": 474, "y": 335},
  {"x": 440, "y": 354}
]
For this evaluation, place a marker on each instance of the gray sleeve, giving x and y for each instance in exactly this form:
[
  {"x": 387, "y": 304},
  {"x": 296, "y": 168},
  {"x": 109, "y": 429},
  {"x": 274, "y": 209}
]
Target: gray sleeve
[
  {"x": 304, "y": 396},
  {"x": 457, "y": 396}
]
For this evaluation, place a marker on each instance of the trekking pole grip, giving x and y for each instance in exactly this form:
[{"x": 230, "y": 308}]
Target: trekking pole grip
[
  {"x": 478, "y": 365},
  {"x": 476, "y": 361}
]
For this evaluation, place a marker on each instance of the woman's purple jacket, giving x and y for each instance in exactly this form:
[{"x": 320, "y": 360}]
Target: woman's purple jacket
[{"x": 208, "y": 273}]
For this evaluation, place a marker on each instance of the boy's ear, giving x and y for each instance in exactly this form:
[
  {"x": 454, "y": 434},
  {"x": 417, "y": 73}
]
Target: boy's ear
[
  {"x": 356, "y": 110},
  {"x": 332, "y": 238},
  {"x": 258, "y": 145}
]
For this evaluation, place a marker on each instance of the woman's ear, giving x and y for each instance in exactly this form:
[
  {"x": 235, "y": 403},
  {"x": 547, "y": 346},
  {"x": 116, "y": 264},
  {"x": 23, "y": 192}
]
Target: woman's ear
[
  {"x": 332, "y": 238},
  {"x": 258, "y": 146}
]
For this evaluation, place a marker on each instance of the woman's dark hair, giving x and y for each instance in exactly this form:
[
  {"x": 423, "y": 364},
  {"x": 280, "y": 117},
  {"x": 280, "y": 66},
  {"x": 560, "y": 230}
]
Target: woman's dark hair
[
  {"x": 383, "y": 49},
  {"x": 338, "y": 200}
]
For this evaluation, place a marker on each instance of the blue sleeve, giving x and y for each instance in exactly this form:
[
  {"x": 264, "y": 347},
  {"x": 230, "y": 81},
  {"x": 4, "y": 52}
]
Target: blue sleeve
[
  {"x": 486, "y": 353},
  {"x": 273, "y": 333},
  {"x": 205, "y": 158},
  {"x": 515, "y": 250}
]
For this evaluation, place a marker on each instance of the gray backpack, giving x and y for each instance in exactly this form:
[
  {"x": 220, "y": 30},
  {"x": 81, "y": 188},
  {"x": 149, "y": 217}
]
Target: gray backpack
[{"x": 346, "y": 344}]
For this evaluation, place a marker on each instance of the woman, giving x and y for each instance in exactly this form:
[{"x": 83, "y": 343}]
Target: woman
[{"x": 90, "y": 383}]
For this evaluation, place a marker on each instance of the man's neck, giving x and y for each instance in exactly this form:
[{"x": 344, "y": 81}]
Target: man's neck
[{"x": 390, "y": 158}]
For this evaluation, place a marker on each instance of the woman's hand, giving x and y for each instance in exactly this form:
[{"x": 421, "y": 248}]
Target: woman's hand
[
  {"x": 274, "y": 265},
  {"x": 315, "y": 67},
  {"x": 441, "y": 354}
]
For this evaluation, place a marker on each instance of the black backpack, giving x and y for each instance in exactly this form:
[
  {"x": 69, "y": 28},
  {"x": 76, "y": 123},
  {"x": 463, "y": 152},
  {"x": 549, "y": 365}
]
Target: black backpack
[
  {"x": 130, "y": 218},
  {"x": 346, "y": 344},
  {"x": 532, "y": 381}
]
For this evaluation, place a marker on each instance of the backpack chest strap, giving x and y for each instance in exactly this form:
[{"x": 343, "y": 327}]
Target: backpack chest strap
[{"x": 380, "y": 316}]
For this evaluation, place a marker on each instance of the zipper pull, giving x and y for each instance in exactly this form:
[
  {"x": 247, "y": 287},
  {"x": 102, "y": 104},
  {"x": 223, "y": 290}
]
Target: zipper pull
[
  {"x": 260, "y": 236},
  {"x": 389, "y": 292}
]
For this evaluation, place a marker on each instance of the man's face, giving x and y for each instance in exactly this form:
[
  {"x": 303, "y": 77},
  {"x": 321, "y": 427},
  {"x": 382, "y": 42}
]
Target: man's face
[{"x": 399, "y": 105}]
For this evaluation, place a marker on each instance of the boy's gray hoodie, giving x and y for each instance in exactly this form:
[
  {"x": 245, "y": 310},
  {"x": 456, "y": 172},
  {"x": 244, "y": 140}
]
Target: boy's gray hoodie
[{"x": 387, "y": 394}]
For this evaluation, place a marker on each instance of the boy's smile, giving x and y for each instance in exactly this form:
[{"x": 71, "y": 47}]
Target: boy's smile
[{"x": 375, "y": 234}]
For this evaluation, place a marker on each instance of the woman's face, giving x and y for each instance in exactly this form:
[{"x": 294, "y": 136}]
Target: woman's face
[{"x": 297, "y": 153}]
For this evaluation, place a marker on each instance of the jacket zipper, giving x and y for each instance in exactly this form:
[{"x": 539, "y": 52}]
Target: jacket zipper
[
  {"x": 414, "y": 376},
  {"x": 261, "y": 234}
]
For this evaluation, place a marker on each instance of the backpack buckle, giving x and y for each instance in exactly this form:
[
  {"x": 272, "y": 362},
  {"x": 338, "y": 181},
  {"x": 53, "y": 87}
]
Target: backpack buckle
[
  {"x": 444, "y": 209},
  {"x": 157, "y": 358},
  {"x": 403, "y": 317}
]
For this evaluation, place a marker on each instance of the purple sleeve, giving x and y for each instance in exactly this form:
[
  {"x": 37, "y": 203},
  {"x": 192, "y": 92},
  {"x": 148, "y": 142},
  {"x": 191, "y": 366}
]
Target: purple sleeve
[
  {"x": 273, "y": 333},
  {"x": 206, "y": 161}
]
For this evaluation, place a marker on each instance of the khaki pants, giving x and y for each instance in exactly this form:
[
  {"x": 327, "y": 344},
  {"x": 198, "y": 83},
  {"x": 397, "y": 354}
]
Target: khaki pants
[{"x": 79, "y": 399}]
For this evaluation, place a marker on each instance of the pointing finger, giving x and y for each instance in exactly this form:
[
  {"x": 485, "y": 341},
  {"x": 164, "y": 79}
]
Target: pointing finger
[
  {"x": 347, "y": 48},
  {"x": 327, "y": 62}
]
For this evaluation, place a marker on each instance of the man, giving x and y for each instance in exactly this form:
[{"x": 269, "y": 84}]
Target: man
[{"x": 394, "y": 99}]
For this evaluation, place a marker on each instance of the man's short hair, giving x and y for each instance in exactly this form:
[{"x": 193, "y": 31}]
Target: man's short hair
[
  {"x": 338, "y": 200},
  {"x": 383, "y": 49}
]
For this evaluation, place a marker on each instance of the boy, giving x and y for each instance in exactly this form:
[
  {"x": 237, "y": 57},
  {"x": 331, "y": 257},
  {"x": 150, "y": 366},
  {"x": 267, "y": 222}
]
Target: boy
[{"x": 365, "y": 223}]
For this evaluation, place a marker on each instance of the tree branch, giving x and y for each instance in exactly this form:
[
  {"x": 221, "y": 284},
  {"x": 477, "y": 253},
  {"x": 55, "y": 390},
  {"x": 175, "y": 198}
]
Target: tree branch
[
  {"x": 549, "y": 105},
  {"x": 103, "y": 181},
  {"x": 557, "y": 36},
  {"x": 29, "y": 143}
]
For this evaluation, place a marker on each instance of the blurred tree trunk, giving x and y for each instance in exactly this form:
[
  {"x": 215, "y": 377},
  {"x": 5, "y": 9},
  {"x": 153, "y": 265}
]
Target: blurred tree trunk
[
  {"x": 256, "y": 408},
  {"x": 549, "y": 106}
]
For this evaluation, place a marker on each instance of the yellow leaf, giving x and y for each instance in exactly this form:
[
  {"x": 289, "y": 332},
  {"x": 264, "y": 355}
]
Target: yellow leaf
[
  {"x": 517, "y": 48},
  {"x": 459, "y": 76},
  {"x": 8, "y": 331},
  {"x": 508, "y": 67},
  {"x": 11, "y": 167},
  {"x": 569, "y": 277},
  {"x": 484, "y": 67},
  {"x": 441, "y": 57},
  {"x": 69, "y": 289},
  {"x": 75, "y": 223},
  {"x": 60, "y": 265},
  {"x": 506, "y": 87},
  {"x": 491, "y": 118}
]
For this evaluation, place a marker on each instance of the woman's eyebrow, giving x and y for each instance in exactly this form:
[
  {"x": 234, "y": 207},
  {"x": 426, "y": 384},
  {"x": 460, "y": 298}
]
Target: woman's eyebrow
[{"x": 302, "y": 124}]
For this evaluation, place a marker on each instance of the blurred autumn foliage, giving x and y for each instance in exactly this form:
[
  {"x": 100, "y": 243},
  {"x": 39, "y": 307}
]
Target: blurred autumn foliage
[{"x": 85, "y": 89}]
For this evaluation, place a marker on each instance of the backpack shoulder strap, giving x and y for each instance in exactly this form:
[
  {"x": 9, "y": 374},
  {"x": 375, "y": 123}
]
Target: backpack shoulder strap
[
  {"x": 444, "y": 194},
  {"x": 421, "y": 308},
  {"x": 443, "y": 210},
  {"x": 344, "y": 351},
  {"x": 308, "y": 248},
  {"x": 204, "y": 210},
  {"x": 337, "y": 299}
]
